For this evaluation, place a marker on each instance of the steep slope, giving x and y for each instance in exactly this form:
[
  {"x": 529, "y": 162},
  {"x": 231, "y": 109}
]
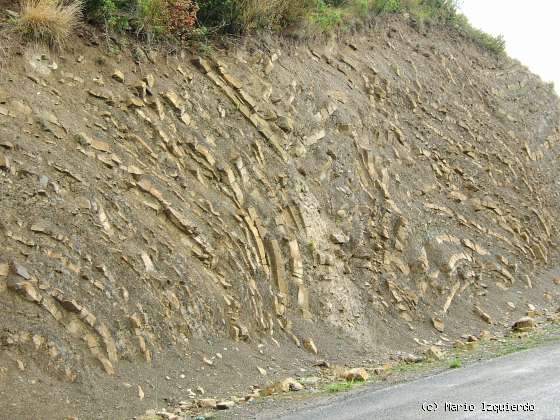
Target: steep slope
[{"x": 356, "y": 193}]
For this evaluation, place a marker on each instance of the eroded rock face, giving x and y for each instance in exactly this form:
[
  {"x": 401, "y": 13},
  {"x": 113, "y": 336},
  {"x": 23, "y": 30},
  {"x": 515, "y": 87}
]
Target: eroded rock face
[{"x": 372, "y": 191}]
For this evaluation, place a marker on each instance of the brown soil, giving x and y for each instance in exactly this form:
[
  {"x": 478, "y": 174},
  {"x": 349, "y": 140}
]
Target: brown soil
[{"x": 346, "y": 192}]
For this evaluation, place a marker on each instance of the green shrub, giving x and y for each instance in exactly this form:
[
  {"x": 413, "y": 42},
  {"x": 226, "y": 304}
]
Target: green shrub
[
  {"x": 388, "y": 6},
  {"x": 182, "y": 19},
  {"x": 455, "y": 363},
  {"x": 495, "y": 44},
  {"x": 149, "y": 18},
  {"x": 326, "y": 16}
]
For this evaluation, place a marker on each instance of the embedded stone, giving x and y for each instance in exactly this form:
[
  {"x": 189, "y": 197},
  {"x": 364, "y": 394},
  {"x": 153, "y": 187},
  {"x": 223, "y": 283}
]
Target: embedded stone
[
  {"x": 4, "y": 162},
  {"x": 107, "y": 365},
  {"x": 207, "y": 403},
  {"x": 100, "y": 94},
  {"x": 21, "y": 271},
  {"x": 118, "y": 76},
  {"x": 134, "y": 102},
  {"x": 339, "y": 238},
  {"x": 524, "y": 324},
  {"x": 438, "y": 324},
  {"x": 71, "y": 305},
  {"x": 435, "y": 353},
  {"x": 483, "y": 315},
  {"x": 225, "y": 405},
  {"x": 314, "y": 138},
  {"x": 24, "y": 288},
  {"x": 203, "y": 64},
  {"x": 285, "y": 123},
  {"x": 356, "y": 375},
  {"x": 150, "y": 80},
  {"x": 287, "y": 385},
  {"x": 310, "y": 346},
  {"x": 175, "y": 101},
  {"x": 101, "y": 146},
  {"x": 140, "y": 88},
  {"x": 232, "y": 81}
]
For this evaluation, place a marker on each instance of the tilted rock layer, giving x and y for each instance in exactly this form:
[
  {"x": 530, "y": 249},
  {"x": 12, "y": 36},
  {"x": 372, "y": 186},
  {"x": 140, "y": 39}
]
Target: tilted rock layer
[{"x": 388, "y": 187}]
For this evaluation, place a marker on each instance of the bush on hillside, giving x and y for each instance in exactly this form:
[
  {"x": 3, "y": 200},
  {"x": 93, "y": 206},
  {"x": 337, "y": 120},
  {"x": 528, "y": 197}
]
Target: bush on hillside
[
  {"x": 52, "y": 21},
  {"x": 48, "y": 21},
  {"x": 149, "y": 18},
  {"x": 492, "y": 43}
]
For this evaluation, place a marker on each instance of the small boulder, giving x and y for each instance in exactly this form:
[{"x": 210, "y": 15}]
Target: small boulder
[
  {"x": 435, "y": 353},
  {"x": 524, "y": 324},
  {"x": 285, "y": 385},
  {"x": 356, "y": 375},
  {"x": 412, "y": 358},
  {"x": 118, "y": 76},
  {"x": 289, "y": 384}
]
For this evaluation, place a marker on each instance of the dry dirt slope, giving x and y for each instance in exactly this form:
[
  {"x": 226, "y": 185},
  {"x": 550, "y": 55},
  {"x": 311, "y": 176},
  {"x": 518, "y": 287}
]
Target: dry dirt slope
[{"x": 346, "y": 192}]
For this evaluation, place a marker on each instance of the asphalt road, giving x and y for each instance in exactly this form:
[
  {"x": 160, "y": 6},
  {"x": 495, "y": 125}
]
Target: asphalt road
[{"x": 530, "y": 379}]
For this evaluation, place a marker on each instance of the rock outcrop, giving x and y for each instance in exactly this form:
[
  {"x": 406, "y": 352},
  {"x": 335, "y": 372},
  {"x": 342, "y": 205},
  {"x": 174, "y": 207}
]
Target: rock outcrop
[{"x": 389, "y": 188}]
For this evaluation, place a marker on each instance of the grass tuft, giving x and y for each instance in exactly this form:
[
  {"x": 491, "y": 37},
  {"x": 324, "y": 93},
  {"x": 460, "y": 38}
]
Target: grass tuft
[
  {"x": 49, "y": 21},
  {"x": 455, "y": 363},
  {"x": 342, "y": 386}
]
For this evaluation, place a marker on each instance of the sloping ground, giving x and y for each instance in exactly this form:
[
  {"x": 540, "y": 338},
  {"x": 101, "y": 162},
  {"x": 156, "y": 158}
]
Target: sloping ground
[{"x": 356, "y": 194}]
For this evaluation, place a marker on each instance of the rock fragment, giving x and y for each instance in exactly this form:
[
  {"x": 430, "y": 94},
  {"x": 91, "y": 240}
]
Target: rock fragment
[
  {"x": 4, "y": 162},
  {"x": 438, "y": 324},
  {"x": 283, "y": 386},
  {"x": 524, "y": 324},
  {"x": 118, "y": 76},
  {"x": 310, "y": 346},
  {"x": 285, "y": 123},
  {"x": 483, "y": 315},
  {"x": 435, "y": 353},
  {"x": 356, "y": 375},
  {"x": 225, "y": 405},
  {"x": 207, "y": 403}
]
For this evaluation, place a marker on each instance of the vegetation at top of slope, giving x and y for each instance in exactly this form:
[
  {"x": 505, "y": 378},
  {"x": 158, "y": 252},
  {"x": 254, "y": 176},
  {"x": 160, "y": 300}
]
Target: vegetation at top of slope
[{"x": 184, "y": 20}]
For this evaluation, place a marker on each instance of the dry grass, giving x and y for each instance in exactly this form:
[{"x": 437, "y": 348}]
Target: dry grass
[
  {"x": 49, "y": 21},
  {"x": 272, "y": 14},
  {"x": 256, "y": 14}
]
